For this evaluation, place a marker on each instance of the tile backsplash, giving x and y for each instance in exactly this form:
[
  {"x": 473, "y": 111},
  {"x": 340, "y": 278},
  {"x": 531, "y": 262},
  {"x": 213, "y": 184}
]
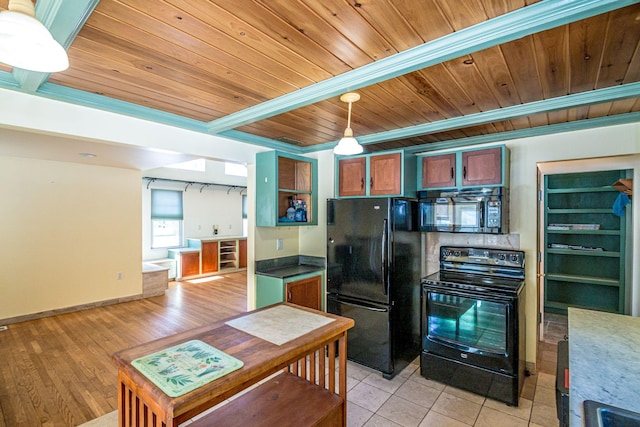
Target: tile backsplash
[{"x": 433, "y": 241}]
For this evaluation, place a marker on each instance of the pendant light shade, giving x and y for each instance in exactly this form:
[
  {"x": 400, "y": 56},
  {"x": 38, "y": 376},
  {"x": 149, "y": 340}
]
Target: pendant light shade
[
  {"x": 348, "y": 144},
  {"x": 26, "y": 43}
]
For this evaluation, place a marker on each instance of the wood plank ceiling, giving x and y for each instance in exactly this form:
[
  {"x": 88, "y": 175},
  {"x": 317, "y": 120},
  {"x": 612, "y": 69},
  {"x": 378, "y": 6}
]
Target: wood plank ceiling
[{"x": 204, "y": 60}]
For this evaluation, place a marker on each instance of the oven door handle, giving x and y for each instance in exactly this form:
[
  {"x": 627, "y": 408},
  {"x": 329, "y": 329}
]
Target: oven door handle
[{"x": 480, "y": 295}]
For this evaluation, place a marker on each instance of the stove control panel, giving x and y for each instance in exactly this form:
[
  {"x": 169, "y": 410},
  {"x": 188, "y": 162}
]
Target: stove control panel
[{"x": 482, "y": 256}]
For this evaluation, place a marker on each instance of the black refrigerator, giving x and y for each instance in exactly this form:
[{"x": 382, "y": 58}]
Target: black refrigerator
[{"x": 373, "y": 277}]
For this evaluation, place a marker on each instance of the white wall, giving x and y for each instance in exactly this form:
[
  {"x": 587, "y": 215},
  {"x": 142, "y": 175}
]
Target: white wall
[
  {"x": 67, "y": 230},
  {"x": 202, "y": 210}
]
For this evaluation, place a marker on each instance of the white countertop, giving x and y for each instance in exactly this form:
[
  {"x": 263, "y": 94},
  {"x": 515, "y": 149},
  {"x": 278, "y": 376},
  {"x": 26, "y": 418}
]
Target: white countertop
[
  {"x": 216, "y": 238},
  {"x": 604, "y": 361}
]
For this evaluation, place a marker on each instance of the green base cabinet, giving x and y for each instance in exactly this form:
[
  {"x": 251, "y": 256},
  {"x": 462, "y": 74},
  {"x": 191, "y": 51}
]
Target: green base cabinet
[
  {"x": 584, "y": 243},
  {"x": 295, "y": 289},
  {"x": 281, "y": 178}
]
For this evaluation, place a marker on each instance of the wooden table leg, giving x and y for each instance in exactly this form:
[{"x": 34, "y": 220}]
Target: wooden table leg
[{"x": 342, "y": 374}]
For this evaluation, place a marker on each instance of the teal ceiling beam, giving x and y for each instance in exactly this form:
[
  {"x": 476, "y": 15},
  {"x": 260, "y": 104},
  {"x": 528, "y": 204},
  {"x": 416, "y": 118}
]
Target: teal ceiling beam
[
  {"x": 7, "y": 81},
  {"x": 87, "y": 99},
  {"x": 576, "y": 125},
  {"x": 619, "y": 119},
  {"x": 64, "y": 19},
  {"x": 630, "y": 90},
  {"x": 528, "y": 20},
  {"x": 259, "y": 140}
]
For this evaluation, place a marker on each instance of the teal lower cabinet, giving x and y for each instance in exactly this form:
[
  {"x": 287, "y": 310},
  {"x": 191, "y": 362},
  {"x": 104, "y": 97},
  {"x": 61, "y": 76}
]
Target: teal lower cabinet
[{"x": 305, "y": 290}]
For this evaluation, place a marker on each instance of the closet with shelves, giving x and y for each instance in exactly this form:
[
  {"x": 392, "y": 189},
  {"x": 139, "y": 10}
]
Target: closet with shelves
[{"x": 584, "y": 242}]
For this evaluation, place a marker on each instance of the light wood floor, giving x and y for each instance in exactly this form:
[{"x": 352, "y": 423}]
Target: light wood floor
[{"x": 57, "y": 371}]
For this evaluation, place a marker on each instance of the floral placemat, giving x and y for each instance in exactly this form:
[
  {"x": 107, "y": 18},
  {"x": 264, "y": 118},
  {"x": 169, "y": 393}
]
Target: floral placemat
[{"x": 182, "y": 368}]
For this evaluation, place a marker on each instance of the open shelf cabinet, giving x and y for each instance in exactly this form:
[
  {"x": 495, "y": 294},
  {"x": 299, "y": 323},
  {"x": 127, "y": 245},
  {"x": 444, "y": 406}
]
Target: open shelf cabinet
[
  {"x": 283, "y": 179},
  {"x": 584, "y": 262},
  {"x": 228, "y": 254}
]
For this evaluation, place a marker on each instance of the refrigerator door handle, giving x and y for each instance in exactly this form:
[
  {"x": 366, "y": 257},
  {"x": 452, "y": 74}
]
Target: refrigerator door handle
[
  {"x": 384, "y": 255},
  {"x": 366, "y": 307}
]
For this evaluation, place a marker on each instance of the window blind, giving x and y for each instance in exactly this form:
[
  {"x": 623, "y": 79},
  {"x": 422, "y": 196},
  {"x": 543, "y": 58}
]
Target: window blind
[
  {"x": 166, "y": 204},
  {"x": 244, "y": 206}
]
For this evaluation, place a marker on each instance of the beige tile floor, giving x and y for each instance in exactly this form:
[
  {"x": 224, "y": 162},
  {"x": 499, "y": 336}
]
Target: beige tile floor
[{"x": 412, "y": 400}]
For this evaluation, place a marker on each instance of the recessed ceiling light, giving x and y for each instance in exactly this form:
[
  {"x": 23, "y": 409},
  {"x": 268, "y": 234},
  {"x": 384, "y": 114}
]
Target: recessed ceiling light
[{"x": 88, "y": 155}]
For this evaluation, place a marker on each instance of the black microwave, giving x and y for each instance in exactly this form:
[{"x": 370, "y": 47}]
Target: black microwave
[{"x": 477, "y": 210}]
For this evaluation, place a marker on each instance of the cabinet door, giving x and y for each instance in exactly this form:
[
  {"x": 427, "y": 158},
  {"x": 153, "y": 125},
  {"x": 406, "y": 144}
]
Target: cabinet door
[
  {"x": 190, "y": 264},
  {"x": 439, "y": 171},
  {"x": 482, "y": 167},
  {"x": 209, "y": 257},
  {"x": 351, "y": 176},
  {"x": 384, "y": 174},
  {"x": 305, "y": 292},
  {"x": 242, "y": 254}
]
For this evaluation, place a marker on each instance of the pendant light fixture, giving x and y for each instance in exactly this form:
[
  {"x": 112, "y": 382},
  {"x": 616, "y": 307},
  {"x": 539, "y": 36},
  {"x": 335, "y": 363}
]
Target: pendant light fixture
[
  {"x": 348, "y": 144},
  {"x": 26, "y": 43}
]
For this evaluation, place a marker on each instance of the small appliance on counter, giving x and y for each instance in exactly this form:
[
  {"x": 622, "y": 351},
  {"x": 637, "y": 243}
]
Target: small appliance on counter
[{"x": 473, "y": 210}]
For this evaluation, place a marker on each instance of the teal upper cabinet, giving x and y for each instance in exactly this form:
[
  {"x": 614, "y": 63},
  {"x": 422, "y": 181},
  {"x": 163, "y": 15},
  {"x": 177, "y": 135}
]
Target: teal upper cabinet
[
  {"x": 284, "y": 179},
  {"x": 391, "y": 173},
  {"x": 483, "y": 167}
]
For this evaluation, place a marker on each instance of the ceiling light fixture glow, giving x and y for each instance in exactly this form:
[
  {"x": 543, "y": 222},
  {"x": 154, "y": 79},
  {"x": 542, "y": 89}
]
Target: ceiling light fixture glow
[
  {"x": 26, "y": 43},
  {"x": 348, "y": 144}
]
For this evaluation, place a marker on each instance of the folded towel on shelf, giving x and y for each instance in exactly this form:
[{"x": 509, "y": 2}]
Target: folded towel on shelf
[{"x": 621, "y": 202}]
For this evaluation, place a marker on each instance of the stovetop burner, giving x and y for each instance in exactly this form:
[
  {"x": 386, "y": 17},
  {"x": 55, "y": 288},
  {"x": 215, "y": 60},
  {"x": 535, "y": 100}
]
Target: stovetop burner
[
  {"x": 479, "y": 269},
  {"x": 476, "y": 282}
]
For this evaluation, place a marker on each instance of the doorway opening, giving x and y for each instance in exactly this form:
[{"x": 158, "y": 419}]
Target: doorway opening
[{"x": 584, "y": 243}]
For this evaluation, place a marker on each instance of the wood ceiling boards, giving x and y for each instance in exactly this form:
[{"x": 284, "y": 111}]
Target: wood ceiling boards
[{"x": 205, "y": 60}]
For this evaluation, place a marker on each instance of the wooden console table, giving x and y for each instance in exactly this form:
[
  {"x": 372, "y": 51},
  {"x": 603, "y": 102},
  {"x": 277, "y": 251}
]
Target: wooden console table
[{"x": 141, "y": 403}]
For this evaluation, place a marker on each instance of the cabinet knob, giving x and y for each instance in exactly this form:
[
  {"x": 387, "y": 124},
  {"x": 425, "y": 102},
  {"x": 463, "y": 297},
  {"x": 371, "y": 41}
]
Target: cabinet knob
[{"x": 362, "y": 183}]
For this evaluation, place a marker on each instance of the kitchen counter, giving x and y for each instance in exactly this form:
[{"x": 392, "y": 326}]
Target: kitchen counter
[
  {"x": 215, "y": 238},
  {"x": 181, "y": 251},
  {"x": 291, "y": 266},
  {"x": 604, "y": 361}
]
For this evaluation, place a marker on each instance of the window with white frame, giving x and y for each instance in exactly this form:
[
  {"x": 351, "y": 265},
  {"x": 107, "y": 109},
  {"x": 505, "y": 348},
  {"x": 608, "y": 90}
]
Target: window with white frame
[
  {"x": 166, "y": 218},
  {"x": 245, "y": 224}
]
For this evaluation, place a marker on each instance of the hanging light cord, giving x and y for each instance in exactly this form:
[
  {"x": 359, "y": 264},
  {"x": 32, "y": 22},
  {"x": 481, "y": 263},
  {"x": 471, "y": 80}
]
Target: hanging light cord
[{"x": 348, "y": 132}]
